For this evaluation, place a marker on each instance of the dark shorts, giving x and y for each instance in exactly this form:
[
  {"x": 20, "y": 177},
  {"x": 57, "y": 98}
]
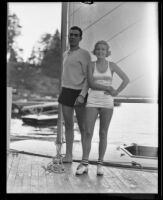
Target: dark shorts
[{"x": 68, "y": 97}]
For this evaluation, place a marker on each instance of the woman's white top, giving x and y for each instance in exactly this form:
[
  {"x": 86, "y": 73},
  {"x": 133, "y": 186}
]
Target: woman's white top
[{"x": 98, "y": 98}]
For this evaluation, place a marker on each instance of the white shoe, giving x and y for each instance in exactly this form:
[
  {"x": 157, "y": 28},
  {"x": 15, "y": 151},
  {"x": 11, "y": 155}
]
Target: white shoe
[
  {"x": 81, "y": 169},
  {"x": 100, "y": 171}
]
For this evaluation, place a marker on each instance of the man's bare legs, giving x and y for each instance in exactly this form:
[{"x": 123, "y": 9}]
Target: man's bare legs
[
  {"x": 80, "y": 116},
  {"x": 68, "y": 115}
]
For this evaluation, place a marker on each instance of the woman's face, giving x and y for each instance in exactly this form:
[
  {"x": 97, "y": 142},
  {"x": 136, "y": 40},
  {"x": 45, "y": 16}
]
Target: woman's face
[{"x": 101, "y": 51}]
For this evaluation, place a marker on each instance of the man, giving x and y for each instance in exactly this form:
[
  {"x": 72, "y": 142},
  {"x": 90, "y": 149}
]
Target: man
[{"x": 74, "y": 88}]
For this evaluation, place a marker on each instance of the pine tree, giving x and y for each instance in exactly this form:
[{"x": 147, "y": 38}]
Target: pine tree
[{"x": 51, "y": 63}]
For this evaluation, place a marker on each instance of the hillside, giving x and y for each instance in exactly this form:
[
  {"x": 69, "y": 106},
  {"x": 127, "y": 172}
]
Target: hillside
[{"x": 29, "y": 80}]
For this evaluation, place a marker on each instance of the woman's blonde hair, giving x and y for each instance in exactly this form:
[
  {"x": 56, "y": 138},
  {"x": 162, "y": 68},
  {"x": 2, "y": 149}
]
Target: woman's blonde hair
[{"x": 108, "y": 53}]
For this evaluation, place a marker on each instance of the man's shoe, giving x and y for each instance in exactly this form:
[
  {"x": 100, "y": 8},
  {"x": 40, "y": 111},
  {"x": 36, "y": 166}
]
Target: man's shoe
[
  {"x": 100, "y": 171},
  {"x": 82, "y": 169}
]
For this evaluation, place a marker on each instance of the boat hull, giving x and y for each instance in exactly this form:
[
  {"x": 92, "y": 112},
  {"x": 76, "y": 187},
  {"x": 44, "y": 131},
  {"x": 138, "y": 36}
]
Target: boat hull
[{"x": 40, "y": 120}]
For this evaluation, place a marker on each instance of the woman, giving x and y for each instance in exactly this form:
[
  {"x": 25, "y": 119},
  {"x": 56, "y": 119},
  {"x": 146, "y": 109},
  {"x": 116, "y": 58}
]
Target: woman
[{"x": 100, "y": 102}]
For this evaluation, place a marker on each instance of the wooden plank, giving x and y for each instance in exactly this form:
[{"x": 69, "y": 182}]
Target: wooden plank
[
  {"x": 34, "y": 174},
  {"x": 64, "y": 185},
  {"x": 10, "y": 160},
  {"x": 73, "y": 180},
  {"x": 89, "y": 183},
  {"x": 26, "y": 175},
  {"x": 62, "y": 181},
  {"x": 152, "y": 178},
  {"x": 19, "y": 175},
  {"x": 53, "y": 181},
  {"x": 50, "y": 183},
  {"x": 65, "y": 179},
  {"x": 13, "y": 173},
  {"x": 84, "y": 183},
  {"x": 147, "y": 186},
  {"x": 124, "y": 185},
  {"x": 99, "y": 182},
  {"x": 42, "y": 188},
  {"x": 127, "y": 185},
  {"x": 150, "y": 181},
  {"x": 42, "y": 184},
  {"x": 88, "y": 180},
  {"x": 135, "y": 179},
  {"x": 56, "y": 182},
  {"x": 26, "y": 185},
  {"x": 111, "y": 179},
  {"x": 101, "y": 185}
]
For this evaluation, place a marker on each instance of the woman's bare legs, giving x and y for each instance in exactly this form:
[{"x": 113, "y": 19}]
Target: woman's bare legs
[
  {"x": 91, "y": 116},
  {"x": 105, "y": 118}
]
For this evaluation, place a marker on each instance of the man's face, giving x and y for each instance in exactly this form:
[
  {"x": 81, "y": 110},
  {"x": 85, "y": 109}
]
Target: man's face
[{"x": 74, "y": 38}]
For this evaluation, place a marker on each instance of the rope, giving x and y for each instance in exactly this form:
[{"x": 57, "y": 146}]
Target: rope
[
  {"x": 110, "y": 11},
  {"x": 130, "y": 54},
  {"x": 56, "y": 165},
  {"x": 72, "y": 14},
  {"x": 123, "y": 30}
]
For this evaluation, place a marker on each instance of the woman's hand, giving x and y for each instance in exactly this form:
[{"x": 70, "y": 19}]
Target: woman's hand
[
  {"x": 111, "y": 91},
  {"x": 114, "y": 93}
]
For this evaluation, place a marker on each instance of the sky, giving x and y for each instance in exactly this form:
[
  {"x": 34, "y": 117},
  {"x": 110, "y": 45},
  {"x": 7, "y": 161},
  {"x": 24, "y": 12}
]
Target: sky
[{"x": 35, "y": 19}]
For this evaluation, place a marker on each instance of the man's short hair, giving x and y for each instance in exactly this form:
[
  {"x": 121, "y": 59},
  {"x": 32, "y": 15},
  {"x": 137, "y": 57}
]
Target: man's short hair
[{"x": 77, "y": 28}]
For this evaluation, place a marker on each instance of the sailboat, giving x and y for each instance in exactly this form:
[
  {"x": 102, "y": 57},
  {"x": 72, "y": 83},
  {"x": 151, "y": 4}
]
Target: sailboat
[{"x": 131, "y": 32}]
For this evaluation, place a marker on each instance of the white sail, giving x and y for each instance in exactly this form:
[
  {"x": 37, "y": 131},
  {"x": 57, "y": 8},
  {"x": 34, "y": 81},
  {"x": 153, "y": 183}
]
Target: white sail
[{"x": 131, "y": 30}]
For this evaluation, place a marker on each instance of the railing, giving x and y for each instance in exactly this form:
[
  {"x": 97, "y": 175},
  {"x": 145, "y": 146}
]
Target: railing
[{"x": 135, "y": 100}]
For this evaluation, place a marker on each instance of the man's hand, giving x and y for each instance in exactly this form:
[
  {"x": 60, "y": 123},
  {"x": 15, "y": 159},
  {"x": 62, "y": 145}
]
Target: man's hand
[{"x": 79, "y": 101}]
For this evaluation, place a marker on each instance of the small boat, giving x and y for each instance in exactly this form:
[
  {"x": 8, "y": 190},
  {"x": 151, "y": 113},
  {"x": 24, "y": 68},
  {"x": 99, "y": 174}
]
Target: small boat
[
  {"x": 140, "y": 155},
  {"x": 40, "y": 120},
  {"x": 48, "y": 108}
]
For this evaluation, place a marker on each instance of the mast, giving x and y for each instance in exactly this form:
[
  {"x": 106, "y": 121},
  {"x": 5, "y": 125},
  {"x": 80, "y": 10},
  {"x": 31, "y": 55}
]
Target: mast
[{"x": 63, "y": 48}]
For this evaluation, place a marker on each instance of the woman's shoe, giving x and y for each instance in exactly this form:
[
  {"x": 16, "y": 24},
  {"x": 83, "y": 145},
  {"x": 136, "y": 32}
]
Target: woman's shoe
[
  {"x": 100, "y": 171},
  {"x": 82, "y": 169},
  {"x": 67, "y": 160}
]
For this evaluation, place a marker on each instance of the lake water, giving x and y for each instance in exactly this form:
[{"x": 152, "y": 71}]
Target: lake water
[{"x": 131, "y": 123}]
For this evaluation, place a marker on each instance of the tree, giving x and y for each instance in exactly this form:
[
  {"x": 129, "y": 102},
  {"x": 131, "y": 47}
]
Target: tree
[
  {"x": 51, "y": 63},
  {"x": 40, "y": 49},
  {"x": 13, "y": 31}
]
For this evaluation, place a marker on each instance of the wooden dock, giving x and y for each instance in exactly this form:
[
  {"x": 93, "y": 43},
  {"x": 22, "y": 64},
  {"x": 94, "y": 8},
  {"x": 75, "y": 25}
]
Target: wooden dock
[{"x": 25, "y": 174}]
